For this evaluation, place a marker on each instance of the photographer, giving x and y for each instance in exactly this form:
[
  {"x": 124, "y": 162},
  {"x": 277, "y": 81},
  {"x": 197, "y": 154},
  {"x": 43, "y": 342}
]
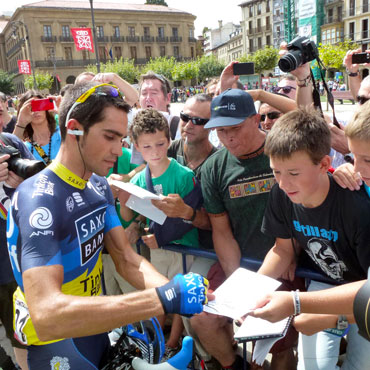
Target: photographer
[{"x": 8, "y": 182}]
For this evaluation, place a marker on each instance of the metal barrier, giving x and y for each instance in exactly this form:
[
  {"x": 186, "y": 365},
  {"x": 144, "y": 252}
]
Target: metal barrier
[{"x": 248, "y": 263}]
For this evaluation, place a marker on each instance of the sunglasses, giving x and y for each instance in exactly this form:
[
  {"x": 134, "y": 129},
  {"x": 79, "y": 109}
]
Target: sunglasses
[
  {"x": 101, "y": 89},
  {"x": 362, "y": 99},
  {"x": 197, "y": 121},
  {"x": 270, "y": 115},
  {"x": 286, "y": 89}
]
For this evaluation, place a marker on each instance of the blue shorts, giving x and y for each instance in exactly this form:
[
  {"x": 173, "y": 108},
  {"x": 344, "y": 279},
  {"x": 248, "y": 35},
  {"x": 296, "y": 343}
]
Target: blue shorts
[{"x": 85, "y": 353}]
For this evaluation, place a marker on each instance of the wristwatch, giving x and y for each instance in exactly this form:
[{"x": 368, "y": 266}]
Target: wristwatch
[
  {"x": 352, "y": 74},
  {"x": 190, "y": 221},
  {"x": 342, "y": 323}
]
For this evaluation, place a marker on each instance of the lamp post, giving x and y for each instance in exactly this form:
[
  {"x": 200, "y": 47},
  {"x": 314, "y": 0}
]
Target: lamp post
[
  {"x": 95, "y": 40},
  {"x": 15, "y": 25}
]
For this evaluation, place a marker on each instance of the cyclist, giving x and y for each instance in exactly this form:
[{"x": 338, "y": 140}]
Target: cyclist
[{"x": 59, "y": 221}]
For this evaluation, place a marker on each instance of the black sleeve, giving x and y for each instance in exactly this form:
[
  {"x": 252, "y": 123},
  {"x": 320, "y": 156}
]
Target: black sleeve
[{"x": 277, "y": 215}]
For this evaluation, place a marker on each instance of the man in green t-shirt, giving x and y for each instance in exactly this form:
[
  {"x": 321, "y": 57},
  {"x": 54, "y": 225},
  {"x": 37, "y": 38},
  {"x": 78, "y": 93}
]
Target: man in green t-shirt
[{"x": 236, "y": 182}]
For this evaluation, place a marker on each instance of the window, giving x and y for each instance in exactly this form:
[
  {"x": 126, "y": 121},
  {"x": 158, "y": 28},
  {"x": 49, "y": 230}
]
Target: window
[
  {"x": 259, "y": 29},
  {"x": 340, "y": 13},
  {"x": 352, "y": 6},
  {"x": 133, "y": 52},
  {"x": 250, "y": 45},
  {"x": 251, "y": 11},
  {"x": 85, "y": 54},
  {"x": 102, "y": 54},
  {"x": 175, "y": 32},
  {"x": 365, "y": 28},
  {"x": 268, "y": 6},
  {"x": 365, "y": 6},
  {"x": 50, "y": 53},
  {"x": 131, "y": 31},
  {"x": 68, "y": 53},
  {"x": 268, "y": 24},
  {"x": 250, "y": 26},
  {"x": 323, "y": 37},
  {"x": 278, "y": 12},
  {"x": 116, "y": 31},
  {"x": 65, "y": 31},
  {"x": 176, "y": 51},
  {"x": 161, "y": 32},
  {"x": 99, "y": 31},
  {"x": 47, "y": 31},
  {"x": 259, "y": 42},
  {"x": 192, "y": 52},
  {"x": 117, "y": 52},
  {"x": 148, "y": 52},
  {"x": 146, "y": 31},
  {"x": 330, "y": 15},
  {"x": 352, "y": 30},
  {"x": 268, "y": 40},
  {"x": 191, "y": 32},
  {"x": 259, "y": 8},
  {"x": 162, "y": 51}
]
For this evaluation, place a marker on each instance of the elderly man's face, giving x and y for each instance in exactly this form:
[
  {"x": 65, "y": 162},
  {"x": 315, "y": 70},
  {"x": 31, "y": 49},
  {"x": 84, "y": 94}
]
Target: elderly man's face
[{"x": 152, "y": 96}]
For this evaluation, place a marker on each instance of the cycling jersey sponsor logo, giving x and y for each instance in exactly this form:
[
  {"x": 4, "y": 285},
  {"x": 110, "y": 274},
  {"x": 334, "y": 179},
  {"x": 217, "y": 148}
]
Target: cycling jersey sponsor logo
[
  {"x": 78, "y": 198},
  {"x": 70, "y": 204},
  {"x": 90, "y": 232},
  {"x": 43, "y": 186},
  {"x": 59, "y": 363},
  {"x": 170, "y": 294},
  {"x": 41, "y": 218}
]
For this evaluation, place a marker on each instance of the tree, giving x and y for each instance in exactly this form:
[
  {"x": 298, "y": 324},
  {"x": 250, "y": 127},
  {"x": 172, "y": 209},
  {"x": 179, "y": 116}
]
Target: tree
[
  {"x": 156, "y": 2},
  {"x": 208, "y": 66},
  {"x": 125, "y": 68},
  {"x": 264, "y": 59},
  {"x": 185, "y": 71},
  {"x": 6, "y": 82},
  {"x": 332, "y": 55},
  {"x": 161, "y": 65},
  {"x": 44, "y": 81}
]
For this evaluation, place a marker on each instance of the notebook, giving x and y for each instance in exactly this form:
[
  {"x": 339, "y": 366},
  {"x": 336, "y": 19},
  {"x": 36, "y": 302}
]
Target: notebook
[{"x": 255, "y": 329}]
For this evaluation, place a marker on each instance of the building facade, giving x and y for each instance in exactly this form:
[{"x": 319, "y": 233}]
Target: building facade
[
  {"x": 138, "y": 32},
  {"x": 257, "y": 24}
]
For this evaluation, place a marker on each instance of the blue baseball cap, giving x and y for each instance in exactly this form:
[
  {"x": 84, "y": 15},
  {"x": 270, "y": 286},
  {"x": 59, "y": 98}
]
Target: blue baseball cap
[{"x": 230, "y": 108}]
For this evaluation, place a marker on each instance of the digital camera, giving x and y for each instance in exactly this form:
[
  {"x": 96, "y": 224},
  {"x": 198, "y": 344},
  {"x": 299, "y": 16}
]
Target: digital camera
[
  {"x": 300, "y": 51},
  {"x": 22, "y": 167}
]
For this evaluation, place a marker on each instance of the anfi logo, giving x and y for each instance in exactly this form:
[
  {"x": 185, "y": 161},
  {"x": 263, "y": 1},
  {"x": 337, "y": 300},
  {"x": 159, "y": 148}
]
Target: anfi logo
[
  {"x": 59, "y": 363},
  {"x": 41, "y": 218}
]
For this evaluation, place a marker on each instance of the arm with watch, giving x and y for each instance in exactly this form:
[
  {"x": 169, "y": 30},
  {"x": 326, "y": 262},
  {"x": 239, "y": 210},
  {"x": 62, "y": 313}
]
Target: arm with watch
[{"x": 352, "y": 70}]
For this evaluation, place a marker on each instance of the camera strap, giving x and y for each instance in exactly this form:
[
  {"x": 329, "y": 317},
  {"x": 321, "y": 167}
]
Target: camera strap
[
  {"x": 316, "y": 93},
  {"x": 45, "y": 157}
]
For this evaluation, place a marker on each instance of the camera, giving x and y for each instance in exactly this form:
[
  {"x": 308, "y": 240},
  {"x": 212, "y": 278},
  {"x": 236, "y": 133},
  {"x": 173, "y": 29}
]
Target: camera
[
  {"x": 301, "y": 50},
  {"x": 22, "y": 167}
]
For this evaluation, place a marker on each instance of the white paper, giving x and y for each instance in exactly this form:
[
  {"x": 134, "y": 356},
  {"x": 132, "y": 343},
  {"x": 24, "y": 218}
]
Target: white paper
[
  {"x": 140, "y": 201},
  {"x": 262, "y": 348},
  {"x": 240, "y": 292}
]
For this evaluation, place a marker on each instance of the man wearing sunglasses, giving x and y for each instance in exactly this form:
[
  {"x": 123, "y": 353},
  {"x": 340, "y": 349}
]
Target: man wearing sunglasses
[
  {"x": 57, "y": 226},
  {"x": 268, "y": 115},
  {"x": 287, "y": 86}
]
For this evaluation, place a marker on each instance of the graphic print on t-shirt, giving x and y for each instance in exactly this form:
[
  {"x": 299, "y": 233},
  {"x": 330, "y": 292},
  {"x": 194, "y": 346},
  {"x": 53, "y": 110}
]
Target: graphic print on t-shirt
[{"x": 251, "y": 187}]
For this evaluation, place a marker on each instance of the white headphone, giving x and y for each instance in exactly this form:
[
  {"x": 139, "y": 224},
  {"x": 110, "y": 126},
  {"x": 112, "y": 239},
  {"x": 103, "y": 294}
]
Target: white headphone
[{"x": 75, "y": 132}]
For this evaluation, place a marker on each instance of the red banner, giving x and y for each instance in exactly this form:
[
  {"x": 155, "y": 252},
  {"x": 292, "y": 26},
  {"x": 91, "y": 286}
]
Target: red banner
[
  {"x": 24, "y": 66},
  {"x": 83, "y": 39}
]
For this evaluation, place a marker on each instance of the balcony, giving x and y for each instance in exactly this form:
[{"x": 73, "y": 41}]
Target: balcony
[
  {"x": 117, "y": 38},
  {"x": 48, "y": 38},
  {"x": 65, "y": 38},
  {"x": 64, "y": 63},
  {"x": 102, "y": 38},
  {"x": 360, "y": 10},
  {"x": 192, "y": 39},
  {"x": 333, "y": 19},
  {"x": 175, "y": 39},
  {"x": 331, "y": 2},
  {"x": 147, "y": 39},
  {"x": 132, "y": 38},
  {"x": 161, "y": 39}
]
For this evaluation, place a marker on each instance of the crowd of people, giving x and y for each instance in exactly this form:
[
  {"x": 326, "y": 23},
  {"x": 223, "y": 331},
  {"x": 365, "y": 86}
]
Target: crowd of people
[{"x": 244, "y": 173}]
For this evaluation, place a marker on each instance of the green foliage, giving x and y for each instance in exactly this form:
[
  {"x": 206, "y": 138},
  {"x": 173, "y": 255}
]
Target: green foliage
[
  {"x": 185, "y": 71},
  {"x": 208, "y": 66},
  {"x": 125, "y": 68},
  {"x": 332, "y": 55},
  {"x": 6, "y": 82},
  {"x": 44, "y": 81},
  {"x": 156, "y": 2},
  {"x": 264, "y": 59},
  {"x": 161, "y": 65}
]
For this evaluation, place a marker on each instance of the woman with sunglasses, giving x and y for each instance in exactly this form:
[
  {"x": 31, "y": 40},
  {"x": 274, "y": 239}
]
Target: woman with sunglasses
[{"x": 37, "y": 128}]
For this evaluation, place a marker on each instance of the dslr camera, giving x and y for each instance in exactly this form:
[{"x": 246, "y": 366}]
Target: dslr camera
[
  {"x": 22, "y": 167},
  {"x": 300, "y": 51}
]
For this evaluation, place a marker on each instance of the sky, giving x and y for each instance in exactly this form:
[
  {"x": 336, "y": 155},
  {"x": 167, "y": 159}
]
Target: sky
[{"x": 208, "y": 12}]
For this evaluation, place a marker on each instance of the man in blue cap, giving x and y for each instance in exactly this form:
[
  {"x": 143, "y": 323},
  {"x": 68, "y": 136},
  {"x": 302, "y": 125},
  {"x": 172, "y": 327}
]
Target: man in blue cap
[{"x": 236, "y": 182}]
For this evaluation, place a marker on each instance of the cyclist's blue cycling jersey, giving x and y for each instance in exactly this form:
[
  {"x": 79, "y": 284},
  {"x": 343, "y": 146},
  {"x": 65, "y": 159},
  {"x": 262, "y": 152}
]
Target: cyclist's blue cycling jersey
[{"x": 57, "y": 218}]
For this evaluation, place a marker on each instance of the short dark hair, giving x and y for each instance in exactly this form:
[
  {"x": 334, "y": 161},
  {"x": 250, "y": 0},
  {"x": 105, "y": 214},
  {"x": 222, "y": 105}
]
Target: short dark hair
[
  {"x": 28, "y": 132},
  {"x": 202, "y": 98},
  {"x": 148, "y": 121},
  {"x": 150, "y": 75},
  {"x": 91, "y": 111},
  {"x": 299, "y": 130}
]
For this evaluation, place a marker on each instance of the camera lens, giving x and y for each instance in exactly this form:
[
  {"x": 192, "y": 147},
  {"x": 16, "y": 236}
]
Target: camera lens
[
  {"x": 290, "y": 61},
  {"x": 25, "y": 168}
]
